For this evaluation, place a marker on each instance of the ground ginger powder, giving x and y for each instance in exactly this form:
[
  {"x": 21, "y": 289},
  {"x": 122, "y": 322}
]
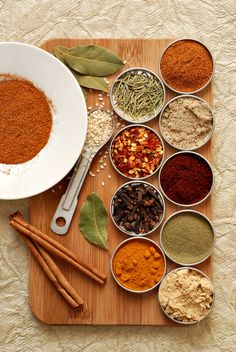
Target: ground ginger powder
[
  {"x": 187, "y": 123},
  {"x": 186, "y": 295}
]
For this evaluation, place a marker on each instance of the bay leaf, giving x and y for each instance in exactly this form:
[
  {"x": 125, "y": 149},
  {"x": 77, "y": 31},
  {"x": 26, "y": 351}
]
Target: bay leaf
[
  {"x": 92, "y": 82},
  {"x": 93, "y": 60},
  {"x": 59, "y": 51},
  {"x": 93, "y": 221}
]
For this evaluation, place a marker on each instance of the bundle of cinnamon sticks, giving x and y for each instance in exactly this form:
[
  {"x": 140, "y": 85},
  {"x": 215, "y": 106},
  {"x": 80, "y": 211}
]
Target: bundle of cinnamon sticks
[{"x": 40, "y": 244}]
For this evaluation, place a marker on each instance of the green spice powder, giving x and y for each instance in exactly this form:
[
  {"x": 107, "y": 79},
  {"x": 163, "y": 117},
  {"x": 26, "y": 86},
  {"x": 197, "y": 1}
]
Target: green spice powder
[{"x": 187, "y": 238}]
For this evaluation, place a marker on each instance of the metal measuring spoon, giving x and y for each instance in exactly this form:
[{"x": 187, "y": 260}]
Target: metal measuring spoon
[{"x": 69, "y": 200}]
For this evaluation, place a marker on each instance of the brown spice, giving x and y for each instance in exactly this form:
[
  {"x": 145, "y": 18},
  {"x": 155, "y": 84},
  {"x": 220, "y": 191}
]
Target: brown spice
[
  {"x": 25, "y": 120},
  {"x": 186, "y": 66}
]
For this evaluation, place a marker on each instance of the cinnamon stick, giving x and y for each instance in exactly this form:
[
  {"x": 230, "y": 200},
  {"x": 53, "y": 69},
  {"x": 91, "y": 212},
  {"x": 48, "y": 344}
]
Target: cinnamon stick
[
  {"x": 53, "y": 272},
  {"x": 50, "y": 245}
]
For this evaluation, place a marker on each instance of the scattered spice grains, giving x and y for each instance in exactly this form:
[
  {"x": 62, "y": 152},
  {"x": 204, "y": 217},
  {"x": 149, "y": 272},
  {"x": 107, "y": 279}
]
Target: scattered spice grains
[
  {"x": 138, "y": 95},
  {"x": 138, "y": 264},
  {"x": 186, "y": 178},
  {"x": 187, "y": 122},
  {"x": 187, "y": 238},
  {"x": 137, "y": 208},
  {"x": 186, "y": 65},
  {"x": 100, "y": 128},
  {"x": 137, "y": 151},
  {"x": 186, "y": 295}
]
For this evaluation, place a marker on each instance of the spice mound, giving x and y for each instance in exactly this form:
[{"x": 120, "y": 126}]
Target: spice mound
[
  {"x": 138, "y": 95},
  {"x": 186, "y": 66},
  {"x": 137, "y": 208},
  {"x": 186, "y": 295},
  {"x": 187, "y": 123},
  {"x": 100, "y": 128},
  {"x": 187, "y": 238},
  {"x": 138, "y": 264},
  {"x": 25, "y": 120},
  {"x": 186, "y": 178},
  {"x": 137, "y": 151}
]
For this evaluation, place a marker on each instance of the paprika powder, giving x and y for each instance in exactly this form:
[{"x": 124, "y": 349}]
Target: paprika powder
[
  {"x": 186, "y": 65},
  {"x": 25, "y": 120},
  {"x": 186, "y": 178}
]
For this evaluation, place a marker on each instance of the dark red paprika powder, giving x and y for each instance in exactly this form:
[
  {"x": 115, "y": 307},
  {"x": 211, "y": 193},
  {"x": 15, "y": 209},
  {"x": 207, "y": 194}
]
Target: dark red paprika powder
[{"x": 186, "y": 178}]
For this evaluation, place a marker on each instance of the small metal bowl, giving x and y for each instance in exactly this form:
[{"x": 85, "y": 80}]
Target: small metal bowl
[
  {"x": 179, "y": 321},
  {"x": 153, "y": 244},
  {"x": 181, "y": 97},
  {"x": 197, "y": 156},
  {"x": 201, "y": 88},
  {"x": 134, "y": 126},
  {"x": 131, "y": 183},
  {"x": 121, "y": 113},
  {"x": 184, "y": 212}
]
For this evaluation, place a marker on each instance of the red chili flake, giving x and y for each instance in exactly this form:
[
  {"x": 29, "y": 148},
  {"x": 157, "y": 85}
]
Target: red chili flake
[{"x": 136, "y": 152}]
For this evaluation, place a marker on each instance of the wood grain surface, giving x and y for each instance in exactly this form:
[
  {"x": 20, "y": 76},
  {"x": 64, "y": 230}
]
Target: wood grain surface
[{"x": 109, "y": 304}]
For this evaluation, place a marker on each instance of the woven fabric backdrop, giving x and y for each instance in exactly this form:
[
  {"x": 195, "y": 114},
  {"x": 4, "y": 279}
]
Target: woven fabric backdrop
[{"x": 213, "y": 22}]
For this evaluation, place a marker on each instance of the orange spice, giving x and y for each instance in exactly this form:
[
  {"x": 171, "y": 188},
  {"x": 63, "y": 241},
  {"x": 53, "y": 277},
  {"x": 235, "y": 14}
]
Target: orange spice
[
  {"x": 25, "y": 120},
  {"x": 138, "y": 265},
  {"x": 186, "y": 65}
]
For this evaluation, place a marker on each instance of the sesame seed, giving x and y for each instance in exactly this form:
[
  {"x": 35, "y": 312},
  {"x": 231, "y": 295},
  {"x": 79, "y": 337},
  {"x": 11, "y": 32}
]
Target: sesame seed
[
  {"x": 90, "y": 108},
  {"x": 60, "y": 186},
  {"x": 100, "y": 98},
  {"x": 97, "y": 104},
  {"x": 105, "y": 164},
  {"x": 103, "y": 184},
  {"x": 91, "y": 174},
  {"x": 53, "y": 190},
  {"x": 97, "y": 170},
  {"x": 101, "y": 167},
  {"x": 109, "y": 176},
  {"x": 124, "y": 61}
]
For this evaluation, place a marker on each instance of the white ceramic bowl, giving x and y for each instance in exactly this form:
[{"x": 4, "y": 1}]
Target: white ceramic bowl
[{"x": 69, "y": 128}]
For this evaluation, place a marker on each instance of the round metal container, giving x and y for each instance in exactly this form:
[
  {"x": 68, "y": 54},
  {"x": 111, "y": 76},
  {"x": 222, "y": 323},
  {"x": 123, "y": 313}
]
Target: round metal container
[
  {"x": 193, "y": 212},
  {"x": 160, "y": 198},
  {"x": 178, "y": 321},
  {"x": 197, "y": 155},
  {"x": 205, "y": 85},
  {"x": 133, "y": 126},
  {"x": 180, "y": 97},
  {"x": 152, "y": 243},
  {"x": 125, "y": 116}
]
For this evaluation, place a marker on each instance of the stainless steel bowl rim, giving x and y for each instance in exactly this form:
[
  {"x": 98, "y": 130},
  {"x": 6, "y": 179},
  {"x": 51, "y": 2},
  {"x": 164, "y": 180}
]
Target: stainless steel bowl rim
[
  {"x": 133, "y": 126},
  {"x": 163, "y": 213},
  {"x": 120, "y": 113},
  {"x": 133, "y": 239},
  {"x": 213, "y": 298},
  {"x": 213, "y": 68},
  {"x": 181, "y": 97},
  {"x": 193, "y": 212},
  {"x": 197, "y": 155}
]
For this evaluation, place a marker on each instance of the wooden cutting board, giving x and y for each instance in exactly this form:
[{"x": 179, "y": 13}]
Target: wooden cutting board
[{"x": 109, "y": 304}]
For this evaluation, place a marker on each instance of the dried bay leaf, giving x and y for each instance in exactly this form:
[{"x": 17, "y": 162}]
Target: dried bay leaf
[
  {"x": 93, "y": 82},
  {"x": 93, "y": 221},
  {"x": 59, "y": 51},
  {"x": 93, "y": 60}
]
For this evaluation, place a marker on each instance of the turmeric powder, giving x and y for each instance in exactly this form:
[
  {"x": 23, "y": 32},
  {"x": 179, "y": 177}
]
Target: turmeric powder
[{"x": 138, "y": 264}]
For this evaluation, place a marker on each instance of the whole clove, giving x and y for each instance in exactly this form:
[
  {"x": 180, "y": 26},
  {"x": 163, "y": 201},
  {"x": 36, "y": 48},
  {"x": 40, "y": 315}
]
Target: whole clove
[{"x": 137, "y": 208}]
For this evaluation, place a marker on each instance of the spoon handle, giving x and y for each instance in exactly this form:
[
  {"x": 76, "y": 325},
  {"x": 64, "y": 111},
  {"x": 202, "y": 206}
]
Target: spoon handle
[{"x": 68, "y": 202}]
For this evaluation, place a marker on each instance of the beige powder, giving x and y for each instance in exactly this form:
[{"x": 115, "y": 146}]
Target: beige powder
[
  {"x": 187, "y": 123},
  {"x": 186, "y": 295}
]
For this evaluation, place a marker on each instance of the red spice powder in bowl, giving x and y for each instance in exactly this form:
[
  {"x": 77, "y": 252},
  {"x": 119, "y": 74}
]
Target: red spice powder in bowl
[
  {"x": 186, "y": 66},
  {"x": 186, "y": 178},
  {"x": 137, "y": 151}
]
